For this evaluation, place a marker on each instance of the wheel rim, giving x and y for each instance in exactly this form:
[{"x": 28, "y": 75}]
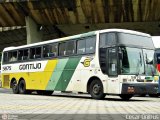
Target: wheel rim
[{"x": 96, "y": 89}]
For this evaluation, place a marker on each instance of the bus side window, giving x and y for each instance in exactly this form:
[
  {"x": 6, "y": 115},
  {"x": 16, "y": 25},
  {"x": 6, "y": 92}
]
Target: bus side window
[
  {"x": 90, "y": 44},
  {"x": 5, "y": 57},
  {"x": 46, "y": 51},
  {"x": 62, "y": 49},
  {"x": 38, "y": 52},
  {"x": 53, "y": 52},
  {"x": 107, "y": 39},
  {"x": 20, "y": 55},
  {"x": 32, "y": 53},
  {"x": 26, "y": 54},
  {"x": 70, "y": 47},
  {"x": 50, "y": 50},
  {"x": 12, "y": 56},
  {"x": 81, "y": 47}
]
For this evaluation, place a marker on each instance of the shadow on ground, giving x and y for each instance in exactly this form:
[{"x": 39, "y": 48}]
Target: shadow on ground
[{"x": 79, "y": 96}]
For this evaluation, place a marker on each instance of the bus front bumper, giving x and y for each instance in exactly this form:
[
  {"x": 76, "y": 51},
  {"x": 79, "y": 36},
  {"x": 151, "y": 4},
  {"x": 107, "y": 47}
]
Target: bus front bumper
[{"x": 142, "y": 88}]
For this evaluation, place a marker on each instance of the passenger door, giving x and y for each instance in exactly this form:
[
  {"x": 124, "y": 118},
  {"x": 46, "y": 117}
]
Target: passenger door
[{"x": 112, "y": 63}]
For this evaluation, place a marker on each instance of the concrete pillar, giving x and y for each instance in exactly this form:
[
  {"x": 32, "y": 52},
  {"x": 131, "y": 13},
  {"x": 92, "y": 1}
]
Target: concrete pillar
[{"x": 34, "y": 34}]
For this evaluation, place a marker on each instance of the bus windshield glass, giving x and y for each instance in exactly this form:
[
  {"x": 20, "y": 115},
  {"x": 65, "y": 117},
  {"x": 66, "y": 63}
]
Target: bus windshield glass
[
  {"x": 137, "y": 61},
  {"x": 149, "y": 62},
  {"x": 132, "y": 61}
]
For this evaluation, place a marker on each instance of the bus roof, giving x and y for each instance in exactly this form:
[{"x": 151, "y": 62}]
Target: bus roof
[
  {"x": 125, "y": 31},
  {"x": 77, "y": 36},
  {"x": 51, "y": 41}
]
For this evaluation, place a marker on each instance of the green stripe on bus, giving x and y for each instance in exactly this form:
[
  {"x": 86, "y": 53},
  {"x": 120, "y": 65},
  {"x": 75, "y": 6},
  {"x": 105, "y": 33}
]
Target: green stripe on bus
[
  {"x": 67, "y": 73},
  {"x": 56, "y": 74}
]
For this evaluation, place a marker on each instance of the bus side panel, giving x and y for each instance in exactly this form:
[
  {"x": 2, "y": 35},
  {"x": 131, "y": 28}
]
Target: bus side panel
[
  {"x": 62, "y": 75},
  {"x": 56, "y": 74},
  {"x": 69, "y": 71},
  {"x": 40, "y": 79},
  {"x": 83, "y": 72},
  {"x": 80, "y": 77},
  {"x": 51, "y": 66}
]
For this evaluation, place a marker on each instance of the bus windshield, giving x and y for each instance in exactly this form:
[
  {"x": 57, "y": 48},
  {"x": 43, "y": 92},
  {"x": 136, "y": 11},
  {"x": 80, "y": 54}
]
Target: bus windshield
[
  {"x": 149, "y": 62},
  {"x": 132, "y": 61},
  {"x": 137, "y": 61}
]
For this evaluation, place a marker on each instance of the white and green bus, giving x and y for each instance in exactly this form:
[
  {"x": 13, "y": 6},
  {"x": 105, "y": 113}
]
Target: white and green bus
[{"x": 111, "y": 61}]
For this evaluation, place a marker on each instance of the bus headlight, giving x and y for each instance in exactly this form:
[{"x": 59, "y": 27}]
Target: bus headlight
[{"x": 124, "y": 80}]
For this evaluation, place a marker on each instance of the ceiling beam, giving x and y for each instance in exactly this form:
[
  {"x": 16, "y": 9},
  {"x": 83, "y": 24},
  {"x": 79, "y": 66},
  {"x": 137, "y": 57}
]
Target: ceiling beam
[
  {"x": 18, "y": 17},
  {"x": 152, "y": 28},
  {"x": 7, "y": 17}
]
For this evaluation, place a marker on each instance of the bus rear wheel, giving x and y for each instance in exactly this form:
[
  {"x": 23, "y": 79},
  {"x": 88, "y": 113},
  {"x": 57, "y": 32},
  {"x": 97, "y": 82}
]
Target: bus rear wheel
[
  {"x": 96, "y": 89},
  {"x": 14, "y": 87},
  {"x": 126, "y": 97},
  {"x": 22, "y": 87},
  {"x": 153, "y": 95},
  {"x": 47, "y": 92}
]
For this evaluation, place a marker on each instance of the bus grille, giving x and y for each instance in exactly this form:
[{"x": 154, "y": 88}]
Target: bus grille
[{"x": 6, "y": 81}]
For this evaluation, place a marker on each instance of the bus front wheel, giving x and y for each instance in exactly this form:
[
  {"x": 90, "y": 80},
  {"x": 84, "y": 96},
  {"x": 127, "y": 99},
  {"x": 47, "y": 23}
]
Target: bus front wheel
[
  {"x": 96, "y": 89},
  {"x": 153, "y": 95},
  {"x": 14, "y": 87},
  {"x": 126, "y": 96}
]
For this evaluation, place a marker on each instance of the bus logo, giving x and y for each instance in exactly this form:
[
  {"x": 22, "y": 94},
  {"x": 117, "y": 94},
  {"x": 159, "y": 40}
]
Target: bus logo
[{"x": 86, "y": 62}]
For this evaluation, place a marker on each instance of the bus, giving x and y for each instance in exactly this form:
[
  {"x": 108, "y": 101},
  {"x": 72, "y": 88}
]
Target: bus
[
  {"x": 157, "y": 58},
  {"x": 103, "y": 62},
  {"x": 157, "y": 55}
]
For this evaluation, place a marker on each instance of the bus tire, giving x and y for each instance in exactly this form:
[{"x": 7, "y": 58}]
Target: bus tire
[
  {"x": 39, "y": 92},
  {"x": 14, "y": 87},
  {"x": 126, "y": 97},
  {"x": 47, "y": 92},
  {"x": 22, "y": 87},
  {"x": 44, "y": 92},
  {"x": 96, "y": 90}
]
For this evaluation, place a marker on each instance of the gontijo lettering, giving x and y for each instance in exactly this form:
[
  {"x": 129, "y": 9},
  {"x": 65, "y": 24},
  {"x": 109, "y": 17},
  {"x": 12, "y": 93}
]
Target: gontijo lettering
[{"x": 30, "y": 66}]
